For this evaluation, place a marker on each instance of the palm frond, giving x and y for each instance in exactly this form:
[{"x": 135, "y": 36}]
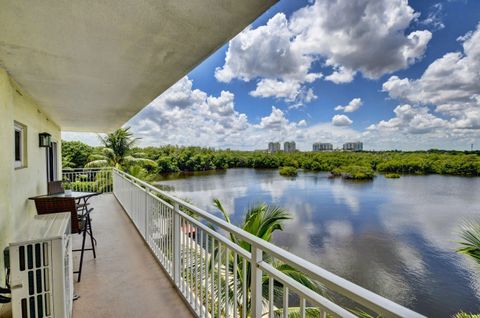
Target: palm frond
[
  {"x": 471, "y": 241},
  {"x": 226, "y": 216},
  {"x": 97, "y": 164},
  {"x": 462, "y": 314},
  {"x": 94, "y": 157},
  {"x": 262, "y": 220},
  {"x": 140, "y": 161},
  {"x": 294, "y": 312}
]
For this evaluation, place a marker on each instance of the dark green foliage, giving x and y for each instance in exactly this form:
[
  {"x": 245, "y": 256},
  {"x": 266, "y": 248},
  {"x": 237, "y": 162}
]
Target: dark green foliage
[
  {"x": 454, "y": 163},
  {"x": 354, "y": 172},
  {"x": 75, "y": 153},
  {"x": 288, "y": 171}
]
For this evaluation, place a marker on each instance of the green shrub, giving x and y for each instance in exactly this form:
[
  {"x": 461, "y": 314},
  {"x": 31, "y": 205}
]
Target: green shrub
[
  {"x": 392, "y": 175},
  {"x": 288, "y": 171},
  {"x": 84, "y": 186},
  {"x": 354, "y": 172}
]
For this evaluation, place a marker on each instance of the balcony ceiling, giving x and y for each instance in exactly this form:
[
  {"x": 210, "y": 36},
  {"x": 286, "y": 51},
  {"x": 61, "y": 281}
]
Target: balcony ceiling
[{"x": 92, "y": 65}]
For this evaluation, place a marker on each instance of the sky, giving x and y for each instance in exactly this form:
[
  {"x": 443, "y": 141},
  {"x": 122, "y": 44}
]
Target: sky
[{"x": 394, "y": 74}]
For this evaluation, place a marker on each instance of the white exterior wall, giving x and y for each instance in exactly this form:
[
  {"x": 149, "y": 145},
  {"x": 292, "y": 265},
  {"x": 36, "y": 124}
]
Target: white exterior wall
[{"x": 17, "y": 185}]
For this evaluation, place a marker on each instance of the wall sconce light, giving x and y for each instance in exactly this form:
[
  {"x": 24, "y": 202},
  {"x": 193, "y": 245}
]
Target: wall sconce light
[{"x": 44, "y": 139}]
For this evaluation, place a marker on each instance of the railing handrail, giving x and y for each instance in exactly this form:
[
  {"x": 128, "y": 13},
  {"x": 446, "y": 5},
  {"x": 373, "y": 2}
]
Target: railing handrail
[
  {"x": 363, "y": 296},
  {"x": 83, "y": 169}
]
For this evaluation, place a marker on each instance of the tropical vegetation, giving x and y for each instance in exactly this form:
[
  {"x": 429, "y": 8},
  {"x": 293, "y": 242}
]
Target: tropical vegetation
[
  {"x": 470, "y": 243},
  {"x": 261, "y": 220},
  {"x": 117, "y": 151},
  {"x": 288, "y": 171},
  {"x": 354, "y": 172},
  {"x": 170, "y": 159},
  {"x": 392, "y": 175}
]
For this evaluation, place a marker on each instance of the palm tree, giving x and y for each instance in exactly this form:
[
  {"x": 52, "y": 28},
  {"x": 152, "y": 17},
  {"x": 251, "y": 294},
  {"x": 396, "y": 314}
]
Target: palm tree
[
  {"x": 117, "y": 152},
  {"x": 262, "y": 221}
]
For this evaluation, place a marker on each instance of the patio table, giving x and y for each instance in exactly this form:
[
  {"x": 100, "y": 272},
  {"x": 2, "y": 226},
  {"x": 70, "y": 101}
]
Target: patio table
[{"x": 77, "y": 195}]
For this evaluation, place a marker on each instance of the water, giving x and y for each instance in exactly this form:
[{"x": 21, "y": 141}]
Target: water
[{"x": 396, "y": 237}]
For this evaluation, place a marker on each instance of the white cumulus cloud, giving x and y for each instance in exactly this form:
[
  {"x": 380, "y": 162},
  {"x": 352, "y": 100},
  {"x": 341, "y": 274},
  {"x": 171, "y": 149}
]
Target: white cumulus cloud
[
  {"x": 349, "y": 36},
  {"x": 352, "y": 106},
  {"x": 451, "y": 84},
  {"x": 367, "y": 36},
  {"x": 415, "y": 120},
  {"x": 341, "y": 120}
]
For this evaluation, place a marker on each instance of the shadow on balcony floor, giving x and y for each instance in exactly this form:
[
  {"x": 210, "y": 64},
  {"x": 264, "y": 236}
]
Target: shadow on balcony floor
[{"x": 125, "y": 280}]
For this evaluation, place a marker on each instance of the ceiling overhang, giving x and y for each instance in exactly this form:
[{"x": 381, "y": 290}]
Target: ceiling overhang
[{"x": 92, "y": 65}]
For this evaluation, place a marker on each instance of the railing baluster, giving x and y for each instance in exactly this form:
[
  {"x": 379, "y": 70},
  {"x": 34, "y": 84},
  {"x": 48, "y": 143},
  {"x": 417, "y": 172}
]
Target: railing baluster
[
  {"x": 270, "y": 297},
  {"x": 201, "y": 271},
  {"x": 256, "y": 283},
  {"x": 219, "y": 282},
  {"x": 244, "y": 287},
  {"x": 235, "y": 287},
  {"x": 147, "y": 212},
  {"x": 285, "y": 301},
  {"x": 212, "y": 276},
  {"x": 302, "y": 307},
  {"x": 163, "y": 233},
  {"x": 197, "y": 271},
  {"x": 227, "y": 281},
  {"x": 176, "y": 245},
  {"x": 172, "y": 240},
  {"x": 184, "y": 251},
  {"x": 190, "y": 261},
  {"x": 206, "y": 274}
]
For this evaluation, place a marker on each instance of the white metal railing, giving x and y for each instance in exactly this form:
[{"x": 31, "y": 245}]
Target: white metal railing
[
  {"x": 89, "y": 179},
  {"x": 219, "y": 278}
]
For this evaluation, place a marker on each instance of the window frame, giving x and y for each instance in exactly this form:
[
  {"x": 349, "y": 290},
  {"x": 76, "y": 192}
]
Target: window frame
[{"x": 22, "y": 129}]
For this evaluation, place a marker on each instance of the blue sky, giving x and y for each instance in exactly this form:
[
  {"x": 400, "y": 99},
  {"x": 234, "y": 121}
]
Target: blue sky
[{"x": 394, "y": 74}]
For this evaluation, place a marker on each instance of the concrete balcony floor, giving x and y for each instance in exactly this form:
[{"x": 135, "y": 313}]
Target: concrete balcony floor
[{"x": 124, "y": 280}]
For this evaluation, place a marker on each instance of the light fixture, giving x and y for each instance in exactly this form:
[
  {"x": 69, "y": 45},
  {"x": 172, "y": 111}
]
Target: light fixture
[{"x": 44, "y": 139}]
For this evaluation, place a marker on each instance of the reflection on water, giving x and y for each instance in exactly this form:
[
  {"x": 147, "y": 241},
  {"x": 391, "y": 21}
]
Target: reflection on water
[{"x": 393, "y": 236}]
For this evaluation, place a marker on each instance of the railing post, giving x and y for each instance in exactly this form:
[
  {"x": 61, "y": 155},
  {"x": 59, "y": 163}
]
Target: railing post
[
  {"x": 176, "y": 244},
  {"x": 256, "y": 283}
]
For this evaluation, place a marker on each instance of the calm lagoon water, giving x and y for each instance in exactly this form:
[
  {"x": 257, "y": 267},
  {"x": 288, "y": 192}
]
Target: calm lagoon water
[{"x": 396, "y": 237}]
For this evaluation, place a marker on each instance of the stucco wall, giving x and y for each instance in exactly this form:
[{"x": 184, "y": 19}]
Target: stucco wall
[{"x": 16, "y": 185}]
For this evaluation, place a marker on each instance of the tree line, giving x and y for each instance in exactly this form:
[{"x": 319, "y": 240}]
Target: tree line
[{"x": 170, "y": 158}]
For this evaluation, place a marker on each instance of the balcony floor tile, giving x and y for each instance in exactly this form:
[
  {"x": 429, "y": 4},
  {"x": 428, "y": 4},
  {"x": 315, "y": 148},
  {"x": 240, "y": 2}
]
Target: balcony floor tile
[{"x": 125, "y": 280}]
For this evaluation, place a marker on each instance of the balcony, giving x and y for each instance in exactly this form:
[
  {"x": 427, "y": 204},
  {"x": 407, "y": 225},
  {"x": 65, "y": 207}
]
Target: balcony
[
  {"x": 125, "y": 280},
  {"x": 158, "y": 255}
]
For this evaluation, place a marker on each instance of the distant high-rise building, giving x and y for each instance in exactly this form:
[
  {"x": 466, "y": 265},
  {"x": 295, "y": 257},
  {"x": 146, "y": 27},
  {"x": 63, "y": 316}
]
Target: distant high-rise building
[
  {"x": 322, "y": 146},
  {"x": 353, "y": 146},
  {"x": 273, "y": 147},
  {"x": 289, "y": 146}
]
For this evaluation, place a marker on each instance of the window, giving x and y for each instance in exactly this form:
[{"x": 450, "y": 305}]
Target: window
[{"x": 20, "y": 145}]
